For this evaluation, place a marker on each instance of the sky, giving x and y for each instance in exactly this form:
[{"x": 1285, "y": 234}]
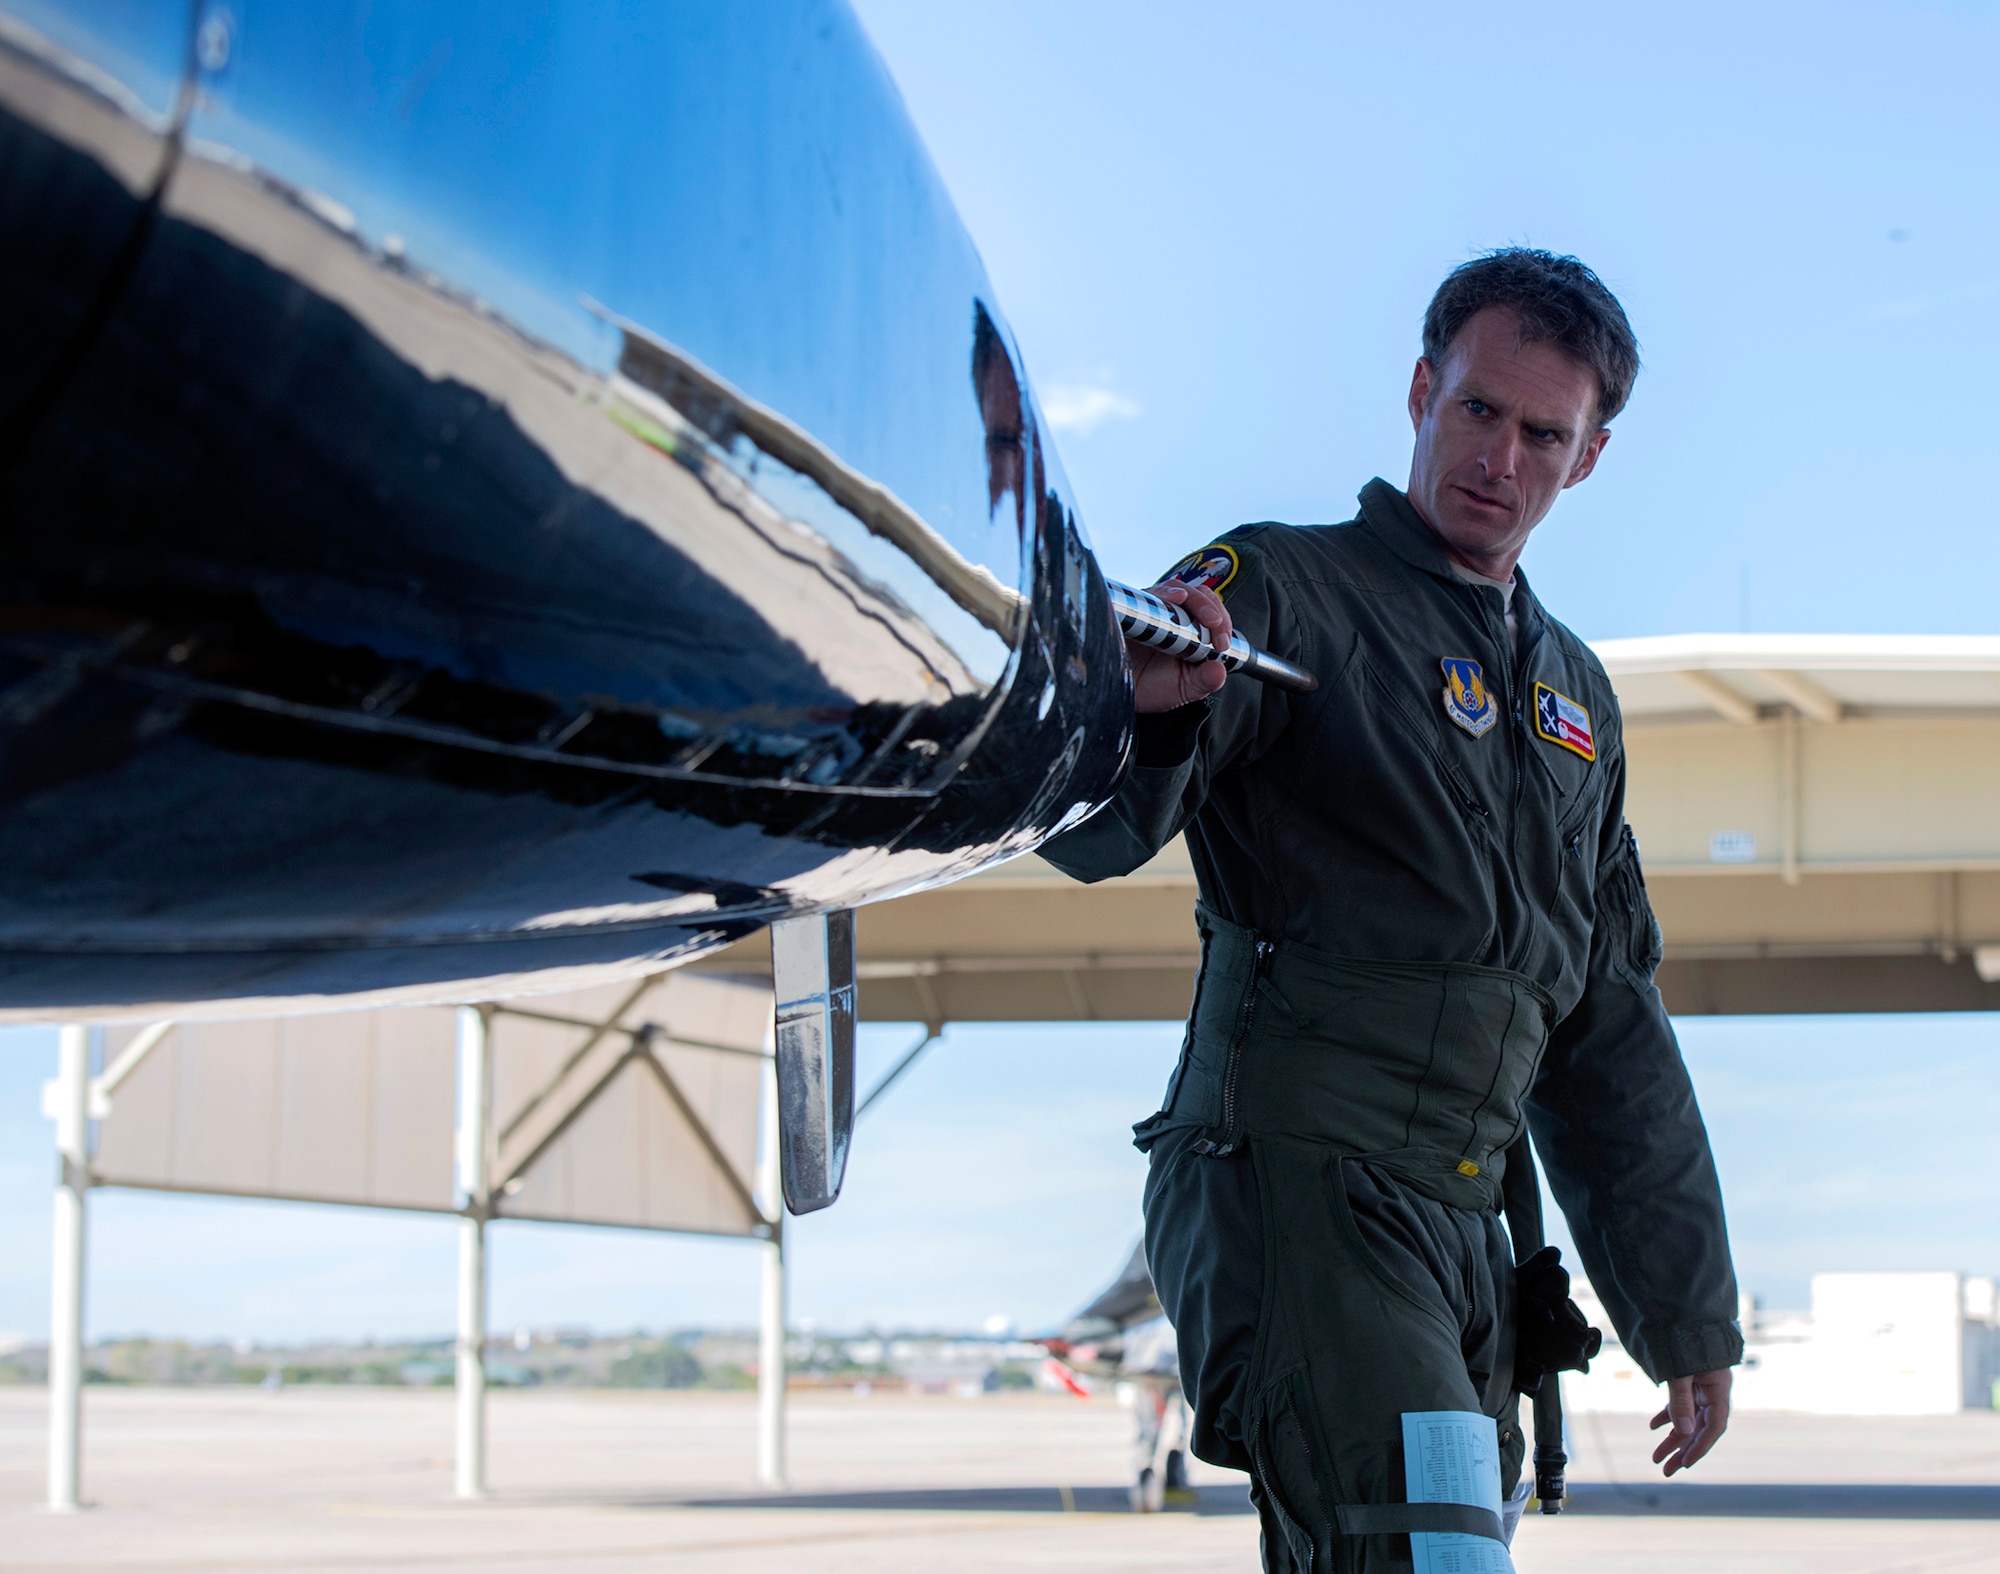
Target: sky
[
  {"x": 1213, "y": 230},
  {"x": 1228, "y": 220}
]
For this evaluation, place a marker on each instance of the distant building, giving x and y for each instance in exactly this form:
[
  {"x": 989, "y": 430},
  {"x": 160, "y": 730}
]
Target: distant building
[{"x": 1873, "y": 1344}]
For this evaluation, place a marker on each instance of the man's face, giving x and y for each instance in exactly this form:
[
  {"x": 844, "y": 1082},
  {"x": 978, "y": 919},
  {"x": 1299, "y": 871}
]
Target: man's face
[{"x": 1502, "y": 427}]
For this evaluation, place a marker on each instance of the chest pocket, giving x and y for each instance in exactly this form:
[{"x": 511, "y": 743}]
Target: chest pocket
[
  {"x": 1563, "y": 745},
  {"x": 1423, "y": 731},
  {"x": 1577, "y": 817}
]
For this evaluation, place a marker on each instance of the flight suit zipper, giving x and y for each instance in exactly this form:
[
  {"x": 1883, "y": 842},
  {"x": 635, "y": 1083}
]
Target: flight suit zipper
[
  {"x": 1466, "y": 800},
  {"x": 1261, "y": 1432},
  {"x": 1302, "y": 1555},
  {"x": 1510, "y": 707},
  {"x": 1510, "y": 700},
  {"x": 1246, "y": 1014},
  {"x": 1302, "y": 1418},
  {"x": 1299, "y": 1538},
  {"x": 1569, "y": 847}
]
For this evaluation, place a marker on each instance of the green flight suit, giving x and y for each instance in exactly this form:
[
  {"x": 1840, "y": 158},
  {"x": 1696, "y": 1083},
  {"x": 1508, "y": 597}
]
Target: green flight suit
[{"x": 1423, "y": 927}]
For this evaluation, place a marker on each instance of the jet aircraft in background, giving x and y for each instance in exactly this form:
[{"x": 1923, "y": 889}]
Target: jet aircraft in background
[{"x": 1123, "y": 1336}]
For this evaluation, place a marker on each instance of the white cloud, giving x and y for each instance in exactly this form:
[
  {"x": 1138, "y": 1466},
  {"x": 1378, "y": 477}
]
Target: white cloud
[
  {"x": 1924, "y": 305},
  {"x": 1083, "y": 407}
]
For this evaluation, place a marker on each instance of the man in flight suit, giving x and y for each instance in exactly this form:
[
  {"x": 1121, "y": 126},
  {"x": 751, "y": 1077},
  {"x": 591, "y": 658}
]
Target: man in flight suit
[{"x": 1424, "y": 930}]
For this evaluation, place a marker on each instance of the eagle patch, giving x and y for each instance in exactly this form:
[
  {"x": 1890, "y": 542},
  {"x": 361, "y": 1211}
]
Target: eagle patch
[{"x": 1467, "y": 700}]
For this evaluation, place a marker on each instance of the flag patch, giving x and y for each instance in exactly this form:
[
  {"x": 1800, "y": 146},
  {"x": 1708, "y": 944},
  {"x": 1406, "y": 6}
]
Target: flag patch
[
  {"x": 1563, "y": 722},
  {"x": 1466, "y": 699}
]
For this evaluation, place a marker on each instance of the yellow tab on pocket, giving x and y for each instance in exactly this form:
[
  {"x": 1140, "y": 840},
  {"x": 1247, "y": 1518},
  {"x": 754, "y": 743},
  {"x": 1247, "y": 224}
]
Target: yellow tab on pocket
[{"x": 1467, "y": 1167}]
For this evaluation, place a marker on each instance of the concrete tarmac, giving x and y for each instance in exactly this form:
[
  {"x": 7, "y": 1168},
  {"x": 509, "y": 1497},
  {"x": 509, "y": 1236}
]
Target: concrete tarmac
[{"x": 358, "y": 1479}]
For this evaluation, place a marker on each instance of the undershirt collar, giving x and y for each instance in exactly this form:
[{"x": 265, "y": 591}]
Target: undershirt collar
[{"x": 1506, "y": 589}]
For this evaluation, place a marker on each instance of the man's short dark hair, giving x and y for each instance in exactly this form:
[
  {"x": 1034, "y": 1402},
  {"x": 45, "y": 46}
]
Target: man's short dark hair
[{"x": 1559, "y": 302}]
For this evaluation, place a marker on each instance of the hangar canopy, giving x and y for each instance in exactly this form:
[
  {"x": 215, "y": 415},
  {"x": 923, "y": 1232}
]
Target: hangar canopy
[
  {"x": 1819, "y": 819},
  {"x": 642, "y": 1104},
  {"x": 633, "y": 1104}
]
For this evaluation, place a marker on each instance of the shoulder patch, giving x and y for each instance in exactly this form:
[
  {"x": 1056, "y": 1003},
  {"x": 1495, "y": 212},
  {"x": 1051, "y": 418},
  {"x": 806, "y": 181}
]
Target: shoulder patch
[
  {"x": 1563, "y": 722},
  {"x": 1213, "y": 568}
]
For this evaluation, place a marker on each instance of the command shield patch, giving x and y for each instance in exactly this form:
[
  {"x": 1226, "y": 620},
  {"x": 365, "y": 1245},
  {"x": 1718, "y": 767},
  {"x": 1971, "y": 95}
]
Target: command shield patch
[
  {"x": 1563, "y": 722},
  {"x": 1212, "y": 568},
  {"x": 1466, "y": 700}
]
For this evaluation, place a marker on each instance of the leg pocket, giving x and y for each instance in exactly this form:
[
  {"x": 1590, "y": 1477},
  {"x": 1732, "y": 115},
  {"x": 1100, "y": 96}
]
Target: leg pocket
[
  {"x": 1365, "y": 1257},
  {"x": 1205, "y": 1247},
  {"x": 1344, "y": 1351}
]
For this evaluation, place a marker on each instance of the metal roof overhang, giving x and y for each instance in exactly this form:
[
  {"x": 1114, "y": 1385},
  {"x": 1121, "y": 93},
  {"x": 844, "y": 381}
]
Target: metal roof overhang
[{"x": 1820, "y": 817}]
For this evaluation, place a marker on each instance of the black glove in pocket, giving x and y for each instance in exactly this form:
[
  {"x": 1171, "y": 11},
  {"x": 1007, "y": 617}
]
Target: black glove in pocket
[{"x": 1550, "y": 1334}]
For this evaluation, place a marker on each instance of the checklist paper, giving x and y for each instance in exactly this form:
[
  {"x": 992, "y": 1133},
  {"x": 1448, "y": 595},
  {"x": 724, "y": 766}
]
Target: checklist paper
[{"x": 1453, "y": 1456}]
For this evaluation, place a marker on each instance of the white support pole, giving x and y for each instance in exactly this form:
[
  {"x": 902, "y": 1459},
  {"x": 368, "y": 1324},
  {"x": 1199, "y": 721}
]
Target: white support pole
[
  {"x": 475, "y": 1138},
  {"x": 1792, "y": 810},
  {"x": 130, "y": 1059},
  {"x": 771, "y": 1341},
  {"x": 69, "y": 1104}
]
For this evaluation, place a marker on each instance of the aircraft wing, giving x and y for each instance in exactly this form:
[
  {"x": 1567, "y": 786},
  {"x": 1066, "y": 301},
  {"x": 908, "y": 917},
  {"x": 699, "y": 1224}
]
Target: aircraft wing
[{"x": 498, "y": 498}]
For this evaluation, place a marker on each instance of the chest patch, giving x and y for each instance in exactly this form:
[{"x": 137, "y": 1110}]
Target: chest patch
[
  {"x": 1212, "y": 568},
  {"x": 1466, "y": 698},
  {"x": 1563, "y": 722}
]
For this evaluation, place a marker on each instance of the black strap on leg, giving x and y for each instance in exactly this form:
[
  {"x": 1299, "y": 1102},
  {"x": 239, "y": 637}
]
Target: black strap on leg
[
  {"x": 1521, "y": 1191},
  {"x": 1403, "y": 1519}
]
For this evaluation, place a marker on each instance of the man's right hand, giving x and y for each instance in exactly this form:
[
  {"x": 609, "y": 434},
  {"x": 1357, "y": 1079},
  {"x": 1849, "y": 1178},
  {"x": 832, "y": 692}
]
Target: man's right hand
[
  {"x": 1162, "y": 682},
  {"x": 1697, "y": 1415}
]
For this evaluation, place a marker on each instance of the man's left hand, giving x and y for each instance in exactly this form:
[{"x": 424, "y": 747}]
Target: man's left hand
[{"x": 1698, "y": 1413}]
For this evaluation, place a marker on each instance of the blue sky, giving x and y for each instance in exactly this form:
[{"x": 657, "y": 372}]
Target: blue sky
[
  {"x": 1231, "y": 218},
  {"x": 1214, "y": 230}
]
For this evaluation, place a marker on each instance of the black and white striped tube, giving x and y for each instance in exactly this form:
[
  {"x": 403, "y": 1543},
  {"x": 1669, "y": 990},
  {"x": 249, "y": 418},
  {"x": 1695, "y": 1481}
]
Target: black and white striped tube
[{"x": 1151, "y": 621}]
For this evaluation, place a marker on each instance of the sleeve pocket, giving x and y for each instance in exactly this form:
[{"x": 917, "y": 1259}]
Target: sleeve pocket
[{"x": 1634, "y": 937}]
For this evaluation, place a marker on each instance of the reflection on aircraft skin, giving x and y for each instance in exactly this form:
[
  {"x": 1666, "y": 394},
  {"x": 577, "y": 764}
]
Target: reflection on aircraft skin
[{"x": 501, "y": 497}]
